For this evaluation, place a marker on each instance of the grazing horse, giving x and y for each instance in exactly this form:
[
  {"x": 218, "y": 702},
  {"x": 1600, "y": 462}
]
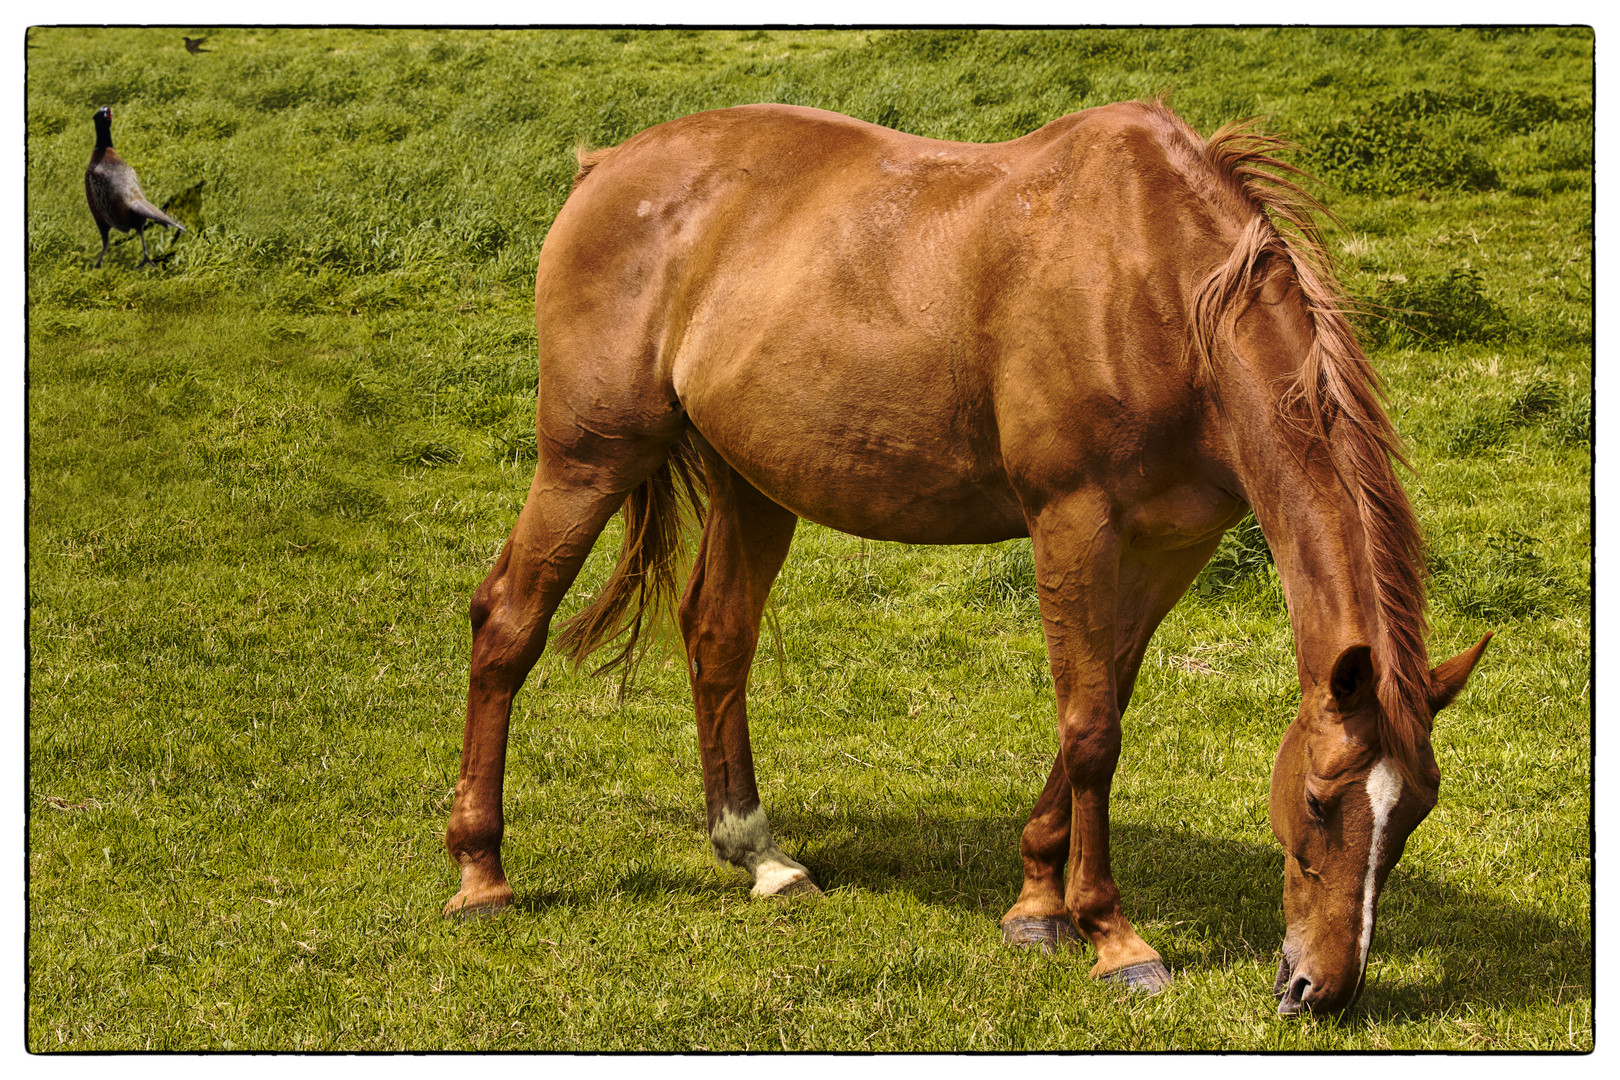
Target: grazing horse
[{"x": 1109, "y": 335}]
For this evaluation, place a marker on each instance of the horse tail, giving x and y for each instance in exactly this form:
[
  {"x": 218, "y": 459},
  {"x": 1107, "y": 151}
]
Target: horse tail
[
  {"x": 642, "y": 588},
  {"x": 586, "y": 160}
]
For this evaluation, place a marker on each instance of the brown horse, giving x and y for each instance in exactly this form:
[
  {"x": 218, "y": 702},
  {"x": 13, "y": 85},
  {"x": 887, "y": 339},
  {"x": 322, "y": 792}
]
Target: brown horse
[{"x": 1109, "y": 335}]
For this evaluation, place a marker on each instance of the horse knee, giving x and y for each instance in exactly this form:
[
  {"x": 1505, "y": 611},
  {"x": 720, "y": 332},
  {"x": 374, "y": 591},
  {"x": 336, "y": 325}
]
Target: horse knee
[
  {"x": 486, "y": 601},
  {"x": 689, "y": 611},
  {"x": 1091, "y": 741},
  {"x": 491, "y": 590}
]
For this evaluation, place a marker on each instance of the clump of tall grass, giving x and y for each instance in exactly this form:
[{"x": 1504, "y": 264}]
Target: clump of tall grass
[
  {"x": 1002, "y": 577},
  {"x": 1573, "y": 423},
  {"x": 1438, "y": 308},
  {"x": 1242, "y": 556},
  {"x": 514, "y": 445},
  {"x": 1430, "y": 139},
  {"x": 1381, "y": 154},
  {"x": 1539, "y": 402},
  {"x": 346, "y": 498},
  {"x": 1505, "y": 578},
  {"x": 1509, "y": 111},
  {"x": 365, "y": 400},
  {"x": 427, "y": 453}
]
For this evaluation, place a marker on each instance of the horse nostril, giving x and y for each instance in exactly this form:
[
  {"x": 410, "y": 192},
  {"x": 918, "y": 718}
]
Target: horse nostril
[
  {"x": 1279, "y": 985},
  {"x": 1294, "y": 1000}
]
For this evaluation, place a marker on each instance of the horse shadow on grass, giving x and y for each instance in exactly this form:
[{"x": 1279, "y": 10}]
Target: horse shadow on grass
[
  {"x": 1215, "y": 898},
  {"x": 1203, "y": 900}
]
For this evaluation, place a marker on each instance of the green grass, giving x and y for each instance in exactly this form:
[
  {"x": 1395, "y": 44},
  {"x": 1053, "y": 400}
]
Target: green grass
[{"x": 265, "y": 477}]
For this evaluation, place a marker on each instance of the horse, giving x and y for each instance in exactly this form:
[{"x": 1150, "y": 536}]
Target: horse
[{"x": 1109, "y": 335}]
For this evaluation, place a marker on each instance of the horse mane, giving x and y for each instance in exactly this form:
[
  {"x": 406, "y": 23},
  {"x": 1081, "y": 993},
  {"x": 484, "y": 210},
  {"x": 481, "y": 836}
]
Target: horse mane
[{"x": 1335, "y": 390}]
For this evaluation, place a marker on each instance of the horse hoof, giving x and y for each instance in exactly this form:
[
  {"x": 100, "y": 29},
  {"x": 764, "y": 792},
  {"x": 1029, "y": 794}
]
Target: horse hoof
[
  {"x": 466, "y": 908},
  {"x": 1150, "y": 976},
  {"x": 476, "y": 912},
  {"x": 799, "y": 887},
  {"x": 1047, "y": 933}
]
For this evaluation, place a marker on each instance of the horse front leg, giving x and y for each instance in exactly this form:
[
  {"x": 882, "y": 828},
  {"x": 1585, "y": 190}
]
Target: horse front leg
[
  {"x": 745, "y": 540},
  {"x": 1077, "y": 565},
  {"x": 1040, "y": 917}
]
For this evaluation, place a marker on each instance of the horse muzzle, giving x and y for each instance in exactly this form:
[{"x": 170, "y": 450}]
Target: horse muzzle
[{"x": 1296, "y": 990}]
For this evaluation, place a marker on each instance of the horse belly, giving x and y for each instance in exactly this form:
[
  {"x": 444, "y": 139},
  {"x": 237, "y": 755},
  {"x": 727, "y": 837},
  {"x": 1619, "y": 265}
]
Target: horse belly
[{"x": 857, "y": 442}]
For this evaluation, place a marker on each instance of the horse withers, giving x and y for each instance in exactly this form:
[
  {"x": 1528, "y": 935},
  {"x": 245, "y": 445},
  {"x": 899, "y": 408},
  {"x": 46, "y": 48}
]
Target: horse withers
[{"x": 1109, "y": 335}]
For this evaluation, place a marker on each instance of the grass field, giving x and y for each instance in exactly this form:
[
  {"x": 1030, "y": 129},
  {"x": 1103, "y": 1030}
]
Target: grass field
[{"x": 265, "y": 477}]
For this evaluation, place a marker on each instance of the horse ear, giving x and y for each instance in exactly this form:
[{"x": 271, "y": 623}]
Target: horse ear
[
  {"x": 1354, "y": 679},
  {"x": 1447, "y": 680}
]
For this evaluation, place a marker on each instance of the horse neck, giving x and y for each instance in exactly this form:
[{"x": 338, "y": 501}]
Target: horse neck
[
  {"x": 1314, "y": 530},
  {"x": 1311, "y": 519}
]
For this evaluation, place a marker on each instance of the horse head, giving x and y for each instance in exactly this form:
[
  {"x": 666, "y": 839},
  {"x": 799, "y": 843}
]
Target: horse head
[{"x": 1342, "y": 808}]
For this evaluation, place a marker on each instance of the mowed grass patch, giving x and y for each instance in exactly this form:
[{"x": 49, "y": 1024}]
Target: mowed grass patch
[{"x": 265, "y": 477}]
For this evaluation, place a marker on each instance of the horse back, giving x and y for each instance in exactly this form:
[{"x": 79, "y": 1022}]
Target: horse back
[{"x": 887, "y": 306}]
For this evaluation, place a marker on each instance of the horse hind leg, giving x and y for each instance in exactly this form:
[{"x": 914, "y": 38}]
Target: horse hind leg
[
  {"x": 511, "y": 617},
  {"x": 745, "y": 541}
]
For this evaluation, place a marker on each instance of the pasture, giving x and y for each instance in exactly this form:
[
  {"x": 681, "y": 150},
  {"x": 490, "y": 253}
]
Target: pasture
[{"x": 265, "y": 476}]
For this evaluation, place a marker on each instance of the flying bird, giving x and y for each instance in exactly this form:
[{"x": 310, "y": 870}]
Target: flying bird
[
  {"x": 194, "y": 45},
  {"x": 114, "y": 192}
]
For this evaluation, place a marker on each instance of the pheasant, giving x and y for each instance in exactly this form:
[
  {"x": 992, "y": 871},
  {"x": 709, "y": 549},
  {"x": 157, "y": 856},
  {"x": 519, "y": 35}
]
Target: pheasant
[{"x": 114, "y": 192}]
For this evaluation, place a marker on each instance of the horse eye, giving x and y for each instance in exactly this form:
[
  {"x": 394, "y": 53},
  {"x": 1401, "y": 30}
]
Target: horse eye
[{"x": 1313, "y": 806}]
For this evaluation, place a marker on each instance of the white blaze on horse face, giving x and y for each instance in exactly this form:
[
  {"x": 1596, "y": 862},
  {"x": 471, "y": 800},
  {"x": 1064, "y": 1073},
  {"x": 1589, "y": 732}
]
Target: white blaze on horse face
[
  {"x": 747, "y": 842},
  {"x": 1383, "y": 792}
]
